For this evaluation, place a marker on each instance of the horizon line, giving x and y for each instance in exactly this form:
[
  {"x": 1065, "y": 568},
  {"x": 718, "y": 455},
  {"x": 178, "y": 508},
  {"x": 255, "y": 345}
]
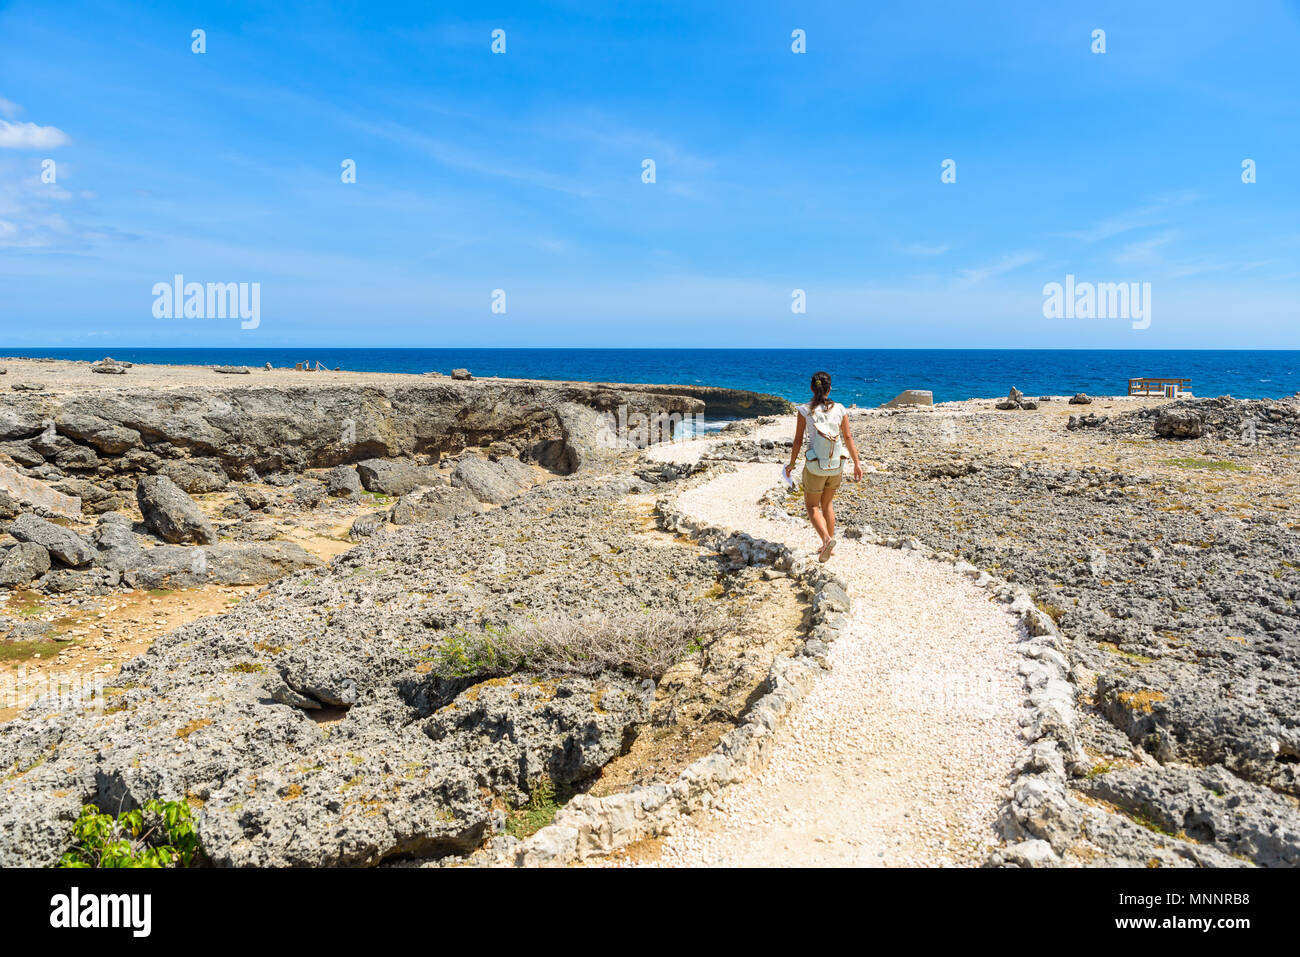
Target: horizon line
[{"x": 97, "y": 347}]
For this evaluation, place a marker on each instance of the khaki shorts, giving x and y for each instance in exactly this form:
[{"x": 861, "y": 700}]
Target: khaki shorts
[{"x": 817, "y": 484}]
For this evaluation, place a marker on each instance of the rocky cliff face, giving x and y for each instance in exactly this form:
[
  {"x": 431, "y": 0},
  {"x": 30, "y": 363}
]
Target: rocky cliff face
[
  {"x": 88, "y": 435},
  {"x": 719, "y": 403}
]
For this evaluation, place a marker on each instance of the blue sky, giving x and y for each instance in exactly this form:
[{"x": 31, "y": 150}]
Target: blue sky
[{"x": 774, "y": 171}]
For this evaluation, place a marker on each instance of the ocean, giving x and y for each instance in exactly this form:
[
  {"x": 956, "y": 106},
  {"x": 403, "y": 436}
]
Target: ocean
[{"x": 863, "y": 377}]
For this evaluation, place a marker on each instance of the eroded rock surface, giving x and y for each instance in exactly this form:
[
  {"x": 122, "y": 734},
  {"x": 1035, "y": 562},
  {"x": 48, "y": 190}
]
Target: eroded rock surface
[
  {"x": 306, "y": 725},
  {"x": 1174, "y": 571}
]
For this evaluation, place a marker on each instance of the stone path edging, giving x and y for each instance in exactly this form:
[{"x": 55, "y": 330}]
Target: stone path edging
[
  {"x": 595, "y": 826},
  {"x": 1040, "y": 819}
]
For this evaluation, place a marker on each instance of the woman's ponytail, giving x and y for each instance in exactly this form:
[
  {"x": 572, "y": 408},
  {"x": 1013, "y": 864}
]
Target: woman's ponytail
[{"x": 821, "y": 388}]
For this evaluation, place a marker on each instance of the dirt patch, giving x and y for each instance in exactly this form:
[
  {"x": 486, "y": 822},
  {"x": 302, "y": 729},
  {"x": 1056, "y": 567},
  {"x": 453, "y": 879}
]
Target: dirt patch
[
  {"x": 702, "y": 697},
  {"x": 86, "y": 639},
  {"x": 639, "y": 853}
]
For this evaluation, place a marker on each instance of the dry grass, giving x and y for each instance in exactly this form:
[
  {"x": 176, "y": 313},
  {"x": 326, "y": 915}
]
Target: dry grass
[{"x": 644, "y": 644}]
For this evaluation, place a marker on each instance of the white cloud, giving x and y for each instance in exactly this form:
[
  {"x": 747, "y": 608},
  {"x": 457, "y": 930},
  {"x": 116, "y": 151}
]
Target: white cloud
[
  {"x": 9, "y": 108},
  {"x": 1146, "y": 216},
  {"x": 921, "y": 249},
  {"x": 36, "y": 215},
  {"x": 29, "y": 136},
  {"x": 1147, "y": 251},
  {"x": 1004, "y": 265}
]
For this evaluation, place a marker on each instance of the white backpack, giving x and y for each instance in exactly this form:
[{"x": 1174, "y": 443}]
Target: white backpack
[{"x": 826, "y": 447}]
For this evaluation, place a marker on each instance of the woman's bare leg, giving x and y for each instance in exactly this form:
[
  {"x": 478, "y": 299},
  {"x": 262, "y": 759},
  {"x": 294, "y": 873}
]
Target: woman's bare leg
[
  {"x": 813, "y": 504},
  {"x": 828, "y": 512}
]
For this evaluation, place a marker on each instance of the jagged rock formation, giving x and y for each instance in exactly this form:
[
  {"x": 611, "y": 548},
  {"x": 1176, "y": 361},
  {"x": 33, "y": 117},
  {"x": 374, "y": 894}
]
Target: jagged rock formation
[
  {"x": 295, "y": 428},
  {"x": 221, "y": 710}
]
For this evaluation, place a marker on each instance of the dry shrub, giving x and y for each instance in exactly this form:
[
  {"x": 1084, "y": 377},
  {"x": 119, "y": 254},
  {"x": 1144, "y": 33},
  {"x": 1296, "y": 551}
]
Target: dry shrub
[{"x": 644, "y": 644}]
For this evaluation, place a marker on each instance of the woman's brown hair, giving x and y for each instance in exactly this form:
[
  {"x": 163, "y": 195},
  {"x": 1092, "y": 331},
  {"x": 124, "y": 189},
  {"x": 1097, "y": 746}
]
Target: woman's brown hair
[{"x": 821, "y": 387}]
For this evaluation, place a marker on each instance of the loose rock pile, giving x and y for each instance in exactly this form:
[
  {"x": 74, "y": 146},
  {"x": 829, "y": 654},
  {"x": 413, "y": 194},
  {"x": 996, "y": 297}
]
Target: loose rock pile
[
  {"x": 1016, "y": 400},
  {"x": 1223, "y": 419}
]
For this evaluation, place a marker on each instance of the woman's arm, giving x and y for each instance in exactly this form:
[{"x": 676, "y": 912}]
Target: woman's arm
[
  {"x": 798, "y": 444},
  {"x": 853, "y": 449}
]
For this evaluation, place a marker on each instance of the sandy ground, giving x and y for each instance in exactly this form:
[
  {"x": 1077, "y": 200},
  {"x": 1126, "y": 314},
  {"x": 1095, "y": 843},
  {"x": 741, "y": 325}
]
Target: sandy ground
[
  {"x": 67, "y": 376},
  {"x": 899, "y": 756},
  {"x": 93, "y": 638},
  {"x": 61, "y": 375}
]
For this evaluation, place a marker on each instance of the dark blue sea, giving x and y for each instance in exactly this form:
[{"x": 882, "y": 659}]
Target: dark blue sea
[{"x": 861, "y": 376}]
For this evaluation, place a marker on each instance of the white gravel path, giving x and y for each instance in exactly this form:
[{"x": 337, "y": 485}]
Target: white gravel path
[{"x": 901, "y": 754}]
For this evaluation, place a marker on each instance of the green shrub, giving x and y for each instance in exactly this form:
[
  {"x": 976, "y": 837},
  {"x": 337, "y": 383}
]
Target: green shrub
[
  {"x": 161, "y": 834},
  {"x": 540, "y": 810}
]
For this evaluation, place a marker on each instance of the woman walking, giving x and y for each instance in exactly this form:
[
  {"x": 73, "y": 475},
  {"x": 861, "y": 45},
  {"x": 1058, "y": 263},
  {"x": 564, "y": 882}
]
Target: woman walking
[{"x": 825, "y": 424}]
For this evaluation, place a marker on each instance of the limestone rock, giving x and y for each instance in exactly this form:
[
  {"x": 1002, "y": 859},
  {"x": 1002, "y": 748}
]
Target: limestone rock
[
  {"x": 62, "y": 543},
  {"x": 110, "y": 366},
  {"x": 910, "y": 397},
  {"x": 116, "y": 542},
  {"x": 257, "y": 562},
  {"x": 343, "y": 482},
  {"x": 1209, "y": 805},
  {"x": 487, "y": 481},
  {"x": 95, "y": 499},
  {"x": 255, "y": 498},
  {"x": 1090, "y": 421},
  {"x": 24, "y": 563},
  {"x": 431, "y": 504},
  {"x": 395, "y": 476},
  {"x": 189, "y": 566},
  {"x": 308, "y": 494},
  {"x": 519, "y": 730},
  {"x": 111, "y": 438},
  {"x": 196, "y": 476},
  {"x": 37, "y": 496},
  {"x": 171, "y": 514},
  {"x": 1180, "y": 424}
]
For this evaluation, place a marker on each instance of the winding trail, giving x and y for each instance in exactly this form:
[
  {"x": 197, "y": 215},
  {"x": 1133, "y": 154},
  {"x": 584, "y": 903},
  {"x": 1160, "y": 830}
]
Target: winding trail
[{"x": 901, "y": 754}]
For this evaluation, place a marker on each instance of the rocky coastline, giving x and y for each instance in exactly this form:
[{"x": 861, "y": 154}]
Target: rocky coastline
[
  {"x": 435, "y": 620},
  {"x": 365, "y": 533}
]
